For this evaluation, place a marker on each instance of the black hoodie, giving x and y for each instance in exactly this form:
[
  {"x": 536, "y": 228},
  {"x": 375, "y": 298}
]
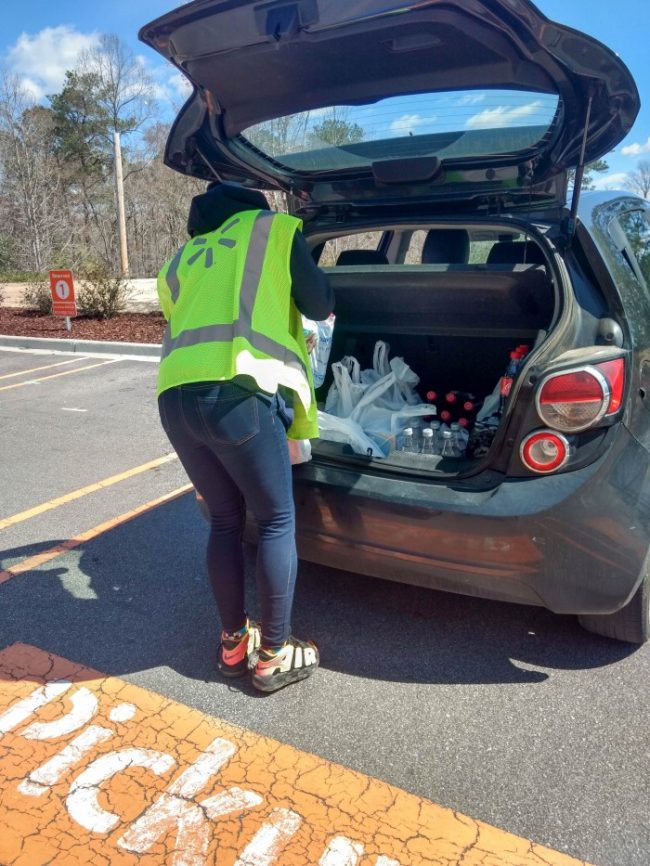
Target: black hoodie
[{"x": 309, "y": 285}]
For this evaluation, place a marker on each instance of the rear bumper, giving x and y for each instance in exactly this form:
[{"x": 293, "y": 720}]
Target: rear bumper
[{"x": 574, "y": 543}]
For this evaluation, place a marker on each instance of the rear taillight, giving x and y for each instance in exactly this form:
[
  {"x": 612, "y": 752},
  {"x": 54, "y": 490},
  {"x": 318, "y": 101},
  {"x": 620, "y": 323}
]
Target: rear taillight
[
  {"x": 544, "y": 451},
  {"x": 577, "y": 399},
  {"x": 614, "y": 372}
]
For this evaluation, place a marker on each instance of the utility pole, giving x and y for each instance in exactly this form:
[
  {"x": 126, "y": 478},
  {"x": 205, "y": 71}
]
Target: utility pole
[{"x": 121, "y": 213}]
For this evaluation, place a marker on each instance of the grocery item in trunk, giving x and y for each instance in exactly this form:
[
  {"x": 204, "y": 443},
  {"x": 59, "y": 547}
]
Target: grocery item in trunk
[
  {"x": 319, "y": 343},
  {"x": 379, "y": 407}
]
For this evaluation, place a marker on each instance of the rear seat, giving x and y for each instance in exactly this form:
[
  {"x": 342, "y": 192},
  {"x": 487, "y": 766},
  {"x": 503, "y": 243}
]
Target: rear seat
[
  {"x": 361, "y": 257},
  {"x": 516, "y": 253},
  {"x": 446, "y": 247}
]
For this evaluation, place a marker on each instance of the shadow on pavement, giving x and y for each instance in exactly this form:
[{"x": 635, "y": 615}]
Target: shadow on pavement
[{"x": 138, "y": 598}]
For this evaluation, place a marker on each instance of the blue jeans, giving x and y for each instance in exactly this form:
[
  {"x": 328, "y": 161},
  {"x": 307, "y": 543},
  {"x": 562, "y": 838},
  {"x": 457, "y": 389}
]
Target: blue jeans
[{"x": 233, "y": 445}]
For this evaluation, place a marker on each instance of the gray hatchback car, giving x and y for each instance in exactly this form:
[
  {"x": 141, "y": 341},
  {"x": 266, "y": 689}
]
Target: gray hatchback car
[{"x": 427, "y": 148}]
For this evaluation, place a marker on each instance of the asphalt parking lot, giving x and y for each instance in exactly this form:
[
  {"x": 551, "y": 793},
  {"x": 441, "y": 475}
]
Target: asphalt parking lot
[{"x": 507, "y": 714}]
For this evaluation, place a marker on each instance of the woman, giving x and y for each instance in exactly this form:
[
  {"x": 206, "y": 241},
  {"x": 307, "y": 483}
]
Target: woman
[{"x": 232, "y": 296}]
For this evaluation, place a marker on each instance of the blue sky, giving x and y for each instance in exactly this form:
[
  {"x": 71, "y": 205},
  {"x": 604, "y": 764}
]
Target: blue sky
[{"x": 41, "y": 38}]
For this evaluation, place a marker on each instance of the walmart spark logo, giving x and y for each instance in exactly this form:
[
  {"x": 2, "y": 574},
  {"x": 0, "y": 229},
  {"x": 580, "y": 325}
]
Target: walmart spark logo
[{"x": 209, "y": 253}]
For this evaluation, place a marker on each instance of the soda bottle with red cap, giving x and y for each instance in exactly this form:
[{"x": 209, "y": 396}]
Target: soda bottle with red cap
[{"x": 508, "y": 378}]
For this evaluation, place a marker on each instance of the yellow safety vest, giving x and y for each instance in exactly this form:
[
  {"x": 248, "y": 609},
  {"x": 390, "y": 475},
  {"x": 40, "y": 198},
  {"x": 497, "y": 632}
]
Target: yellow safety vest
[{"x": 227, "y": 299}]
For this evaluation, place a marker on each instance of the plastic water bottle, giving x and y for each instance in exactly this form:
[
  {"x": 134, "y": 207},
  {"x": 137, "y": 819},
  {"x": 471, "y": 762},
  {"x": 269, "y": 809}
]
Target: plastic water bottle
[
  {"x": 408, "y": 441},
  {"x": 416, "y": 424},
  {"x": 428, "y": 443},
  {"x": 448, "y": 449},
  {"x": 461, "y": 438},
  {"x": 437, "y": 437}
]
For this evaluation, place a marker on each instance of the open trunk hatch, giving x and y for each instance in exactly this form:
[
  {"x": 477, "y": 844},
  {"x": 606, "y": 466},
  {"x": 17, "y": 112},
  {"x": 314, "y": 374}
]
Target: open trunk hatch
[{"x": 379, "y": 100}]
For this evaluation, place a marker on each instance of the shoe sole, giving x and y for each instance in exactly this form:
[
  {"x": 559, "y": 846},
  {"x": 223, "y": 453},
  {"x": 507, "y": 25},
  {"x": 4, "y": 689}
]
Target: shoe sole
[
  {"x": 232, "y": 672},
  {"x": 279, "y": 681}
]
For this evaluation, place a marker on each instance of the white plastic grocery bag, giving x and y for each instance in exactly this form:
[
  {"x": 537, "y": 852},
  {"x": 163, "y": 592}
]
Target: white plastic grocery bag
[
  {"x": 369, "y": 409},
  {"x": 376, "y": 414},
  {"x": 346, "y": 389},
  {"x": 319, "y": 356},
  {"x": 380, "y": 365},
  {"x": 299, "y": 451},
  {"x": 406, "y": 381},
  {"x": 348, "y": 432}
]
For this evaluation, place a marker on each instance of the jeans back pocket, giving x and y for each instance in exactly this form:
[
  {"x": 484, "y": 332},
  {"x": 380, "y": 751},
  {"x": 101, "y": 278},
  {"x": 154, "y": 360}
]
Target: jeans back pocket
[{"x": 229, "y": 420}]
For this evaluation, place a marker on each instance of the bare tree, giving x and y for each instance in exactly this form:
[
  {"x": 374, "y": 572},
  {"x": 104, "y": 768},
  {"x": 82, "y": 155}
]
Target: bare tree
[
  {"x": 29, "y": 177},
  {"x": 157, "y": 204},
  {"x": 57, "y": 202},
  {"x": 639, "y": 181},
  {"x": 125, "y": 89},
  {"x": 126, "y": 94}
]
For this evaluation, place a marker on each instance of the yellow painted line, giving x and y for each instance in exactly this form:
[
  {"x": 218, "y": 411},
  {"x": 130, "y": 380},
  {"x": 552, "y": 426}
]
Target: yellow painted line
[
  {"x": 46, "y": 367},
  {"x": 84, "y": 491},
  {"x": 39, "y": 559},
  {"x": 96, "y": 770},
  {"x": 57, "y": 375}
]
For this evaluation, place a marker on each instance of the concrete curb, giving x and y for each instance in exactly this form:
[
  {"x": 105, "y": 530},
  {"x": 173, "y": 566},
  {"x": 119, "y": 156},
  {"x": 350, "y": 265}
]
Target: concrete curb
[{"x": 86, "y": 347}]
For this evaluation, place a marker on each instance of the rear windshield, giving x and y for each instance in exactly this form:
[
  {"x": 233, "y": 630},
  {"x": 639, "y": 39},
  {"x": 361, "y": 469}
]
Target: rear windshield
[{"x": 458, "y": 124}]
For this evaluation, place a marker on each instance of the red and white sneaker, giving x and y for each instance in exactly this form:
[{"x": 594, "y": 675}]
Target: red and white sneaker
[
  {"x": 295, "y": 661},
  {"x": 236, "y": 650}
]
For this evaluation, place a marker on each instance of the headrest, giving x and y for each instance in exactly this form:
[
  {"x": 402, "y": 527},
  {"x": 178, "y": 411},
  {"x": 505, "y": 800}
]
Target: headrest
[
  {"x": 446, "y": 247},
  {"x": 515, "y": 253},
  {"x": 361, "y": 257}
]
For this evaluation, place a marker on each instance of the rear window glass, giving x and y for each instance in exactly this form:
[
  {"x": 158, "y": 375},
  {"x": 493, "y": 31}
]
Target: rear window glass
[
  {"x": 637, "y": 230},
  {"x": 447, "y": 125}
]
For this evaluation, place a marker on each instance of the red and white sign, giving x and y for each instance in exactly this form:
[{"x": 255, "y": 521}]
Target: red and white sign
[{"x": 62, "y": 288}]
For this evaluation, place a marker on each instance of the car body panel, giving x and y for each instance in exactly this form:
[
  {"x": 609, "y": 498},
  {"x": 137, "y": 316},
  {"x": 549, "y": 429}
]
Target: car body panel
[
  {"x": 599, "y": 213},
  {"x": 574, "y": 543}
]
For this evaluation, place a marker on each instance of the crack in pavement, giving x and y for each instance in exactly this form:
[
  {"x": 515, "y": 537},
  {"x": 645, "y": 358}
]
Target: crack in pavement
[{"x": 183, "y": 788}]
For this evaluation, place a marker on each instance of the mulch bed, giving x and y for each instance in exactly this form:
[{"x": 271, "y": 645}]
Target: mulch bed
[{"x": 126, "y": 327}]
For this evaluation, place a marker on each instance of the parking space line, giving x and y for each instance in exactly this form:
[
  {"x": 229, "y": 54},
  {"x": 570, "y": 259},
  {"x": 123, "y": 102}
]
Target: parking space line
[
  {"x": 145, "y": 779},
  {"x": 46, "y": 367},
  {"x": 84, "y": 491},
  {"x": 56, "y": 375},
  {"x": 32, "y": 562}
]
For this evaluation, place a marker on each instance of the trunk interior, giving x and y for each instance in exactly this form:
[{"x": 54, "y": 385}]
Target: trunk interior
[{"x": 455, "y": 326}]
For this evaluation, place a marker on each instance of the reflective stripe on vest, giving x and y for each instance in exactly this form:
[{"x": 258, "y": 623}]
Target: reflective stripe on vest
[
  {"x": 242, "y": 327},
  {"x": 172, "y": 275}
]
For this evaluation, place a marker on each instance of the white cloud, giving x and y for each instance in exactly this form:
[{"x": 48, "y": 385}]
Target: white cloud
[
  {"x": 42, "y": 59},
  {"x": 180, "y": 85},
  {"x": 610, "y": 181},
  {"x": 408, "y": 123},
  {"x": 636, "y": 149},
  {"x": 470, "y": 99},
  {"x": 503, "y": 115},
  {"x": 170, "y": 89}
]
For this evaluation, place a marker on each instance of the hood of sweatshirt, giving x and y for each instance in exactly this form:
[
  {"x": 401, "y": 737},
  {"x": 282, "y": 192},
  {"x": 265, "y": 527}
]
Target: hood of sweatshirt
[{"x": 221, "y": 201}]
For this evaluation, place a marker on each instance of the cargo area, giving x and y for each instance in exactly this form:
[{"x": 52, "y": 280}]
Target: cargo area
[{"x": 454, "y": 325}]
